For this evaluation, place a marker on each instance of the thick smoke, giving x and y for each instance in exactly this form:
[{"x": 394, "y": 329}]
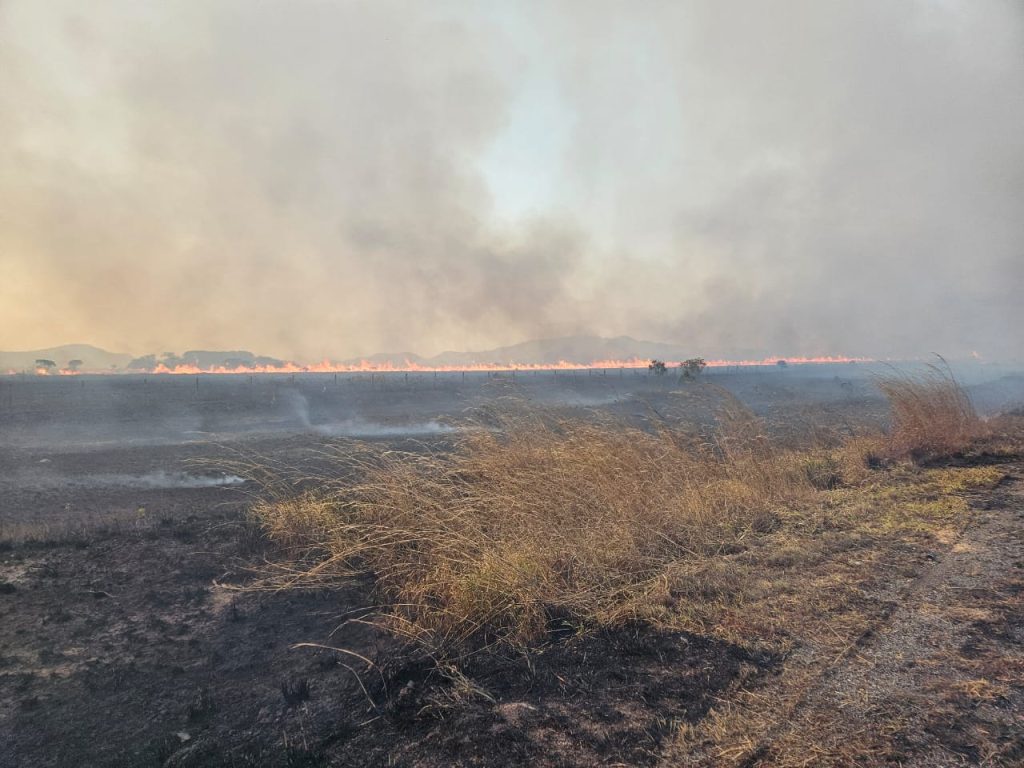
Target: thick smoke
[
  {"x": 310, "y": 178},
  {"x": 831, "y": 175}
]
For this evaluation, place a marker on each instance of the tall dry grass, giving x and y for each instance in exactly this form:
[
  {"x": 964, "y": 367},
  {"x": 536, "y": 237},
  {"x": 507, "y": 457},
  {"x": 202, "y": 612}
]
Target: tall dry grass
[
  {"x": 532, "y": 523},
  {"x": 536, "y": 524},
  {"x": 932, "y": 415}
]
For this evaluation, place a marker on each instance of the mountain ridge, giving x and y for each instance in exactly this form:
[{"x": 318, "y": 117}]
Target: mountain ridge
[
  {"x": 582, "y": 349},
  {"x": 572, "y": 349}
]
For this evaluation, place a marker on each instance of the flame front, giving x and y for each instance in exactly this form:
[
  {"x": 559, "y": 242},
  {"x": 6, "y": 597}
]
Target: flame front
[{"x": 365, "y": 366}]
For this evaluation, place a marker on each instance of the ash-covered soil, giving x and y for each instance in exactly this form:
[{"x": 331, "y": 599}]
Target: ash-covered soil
[
  {"x": 129, "y": 635},
  {"x": 133, "y": 648},
  {"x": 132, "y": 643}
]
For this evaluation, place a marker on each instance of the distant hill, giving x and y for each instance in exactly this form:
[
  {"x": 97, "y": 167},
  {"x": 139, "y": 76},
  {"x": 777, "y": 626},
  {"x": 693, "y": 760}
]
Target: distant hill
[
  {"x": 93, "y": 358},
  {"x": 206, "y": 360},
  {"x": 572, "y": 349}
]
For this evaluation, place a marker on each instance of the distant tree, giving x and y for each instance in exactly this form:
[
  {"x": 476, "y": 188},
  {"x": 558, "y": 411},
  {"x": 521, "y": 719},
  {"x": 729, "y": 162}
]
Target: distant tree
[
  {"x": 691, "y": 369},
  {"x": 74, "y": 365},
  {"x": 782, "y": 364},
  {"x": 45, "y": 365},
  {"x": 144, "y": 363},
  {"x": 657, "y": 367}
]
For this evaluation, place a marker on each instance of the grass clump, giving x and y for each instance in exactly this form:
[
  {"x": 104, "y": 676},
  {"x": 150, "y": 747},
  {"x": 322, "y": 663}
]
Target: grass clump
[
  {"x": 932, "y": 414},
  {"x": 536, "y": 528}
]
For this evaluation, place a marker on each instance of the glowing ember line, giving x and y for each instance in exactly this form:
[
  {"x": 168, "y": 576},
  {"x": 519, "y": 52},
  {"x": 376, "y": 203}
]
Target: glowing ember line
[{"x": 365, "y": 366}]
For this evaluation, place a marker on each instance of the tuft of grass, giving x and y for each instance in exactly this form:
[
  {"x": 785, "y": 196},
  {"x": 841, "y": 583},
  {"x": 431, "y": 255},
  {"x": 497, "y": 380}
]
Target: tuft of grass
[
  {"x": 932, "y": 415},
  {"x": 535, "y": 526},
  {"x": 824, "y": 471}
]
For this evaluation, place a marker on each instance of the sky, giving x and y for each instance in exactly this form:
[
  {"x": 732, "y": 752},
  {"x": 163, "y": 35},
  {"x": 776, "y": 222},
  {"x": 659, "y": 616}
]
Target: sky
[{"x": 311, "y": 179}]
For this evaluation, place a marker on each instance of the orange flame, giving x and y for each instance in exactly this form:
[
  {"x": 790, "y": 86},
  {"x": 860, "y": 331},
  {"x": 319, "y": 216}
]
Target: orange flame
[
  {"x": 408, "y": 366},
  {"x": 365, "y": 366},
  {"x": 40, "y": 371}
]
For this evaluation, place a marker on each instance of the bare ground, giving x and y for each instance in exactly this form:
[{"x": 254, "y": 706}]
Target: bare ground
[{"x": 132, "y": 649}]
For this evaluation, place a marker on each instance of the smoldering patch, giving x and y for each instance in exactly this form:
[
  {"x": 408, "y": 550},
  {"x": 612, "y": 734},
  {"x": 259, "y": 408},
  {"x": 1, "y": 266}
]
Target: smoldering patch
[
  {"x": 368, "y": 429},
  {"x": 165, "y": 479},
  {"x": 155, "y": 480}
]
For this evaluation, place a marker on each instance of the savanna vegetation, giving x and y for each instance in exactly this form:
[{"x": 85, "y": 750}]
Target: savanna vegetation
[
  {"x": 665, "y": 580},
  {"x": 534, "y": 531},
  {"x": 533, "y": 523}
]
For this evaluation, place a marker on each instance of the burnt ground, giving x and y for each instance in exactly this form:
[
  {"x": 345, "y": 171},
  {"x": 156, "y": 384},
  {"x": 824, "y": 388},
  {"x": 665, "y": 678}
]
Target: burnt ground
[
  {"x": 133, "y": 648},
  {"x": 128, "y": 638}
]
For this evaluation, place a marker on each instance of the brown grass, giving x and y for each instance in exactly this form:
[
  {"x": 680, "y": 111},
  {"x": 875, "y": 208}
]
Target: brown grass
[
  {"x": 533, "y": 524},
  {"x": 536, "y": 525},
  {"x": 932, "y": 415}
]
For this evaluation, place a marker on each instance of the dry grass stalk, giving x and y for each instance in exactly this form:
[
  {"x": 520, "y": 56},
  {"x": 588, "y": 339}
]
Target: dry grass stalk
[
  {"x": 536, "y": 524},
  {"x": 533, "y": 523},
  {"x": 932, "y": 415}
]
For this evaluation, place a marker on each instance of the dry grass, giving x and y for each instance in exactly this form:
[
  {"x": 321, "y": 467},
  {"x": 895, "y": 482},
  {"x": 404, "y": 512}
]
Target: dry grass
[
  {"x": 536, "y": 525},
  {"x": 533, "y": 525},
  {"x": 814, "y": 588},
  {"x": 932, "y": 415}
]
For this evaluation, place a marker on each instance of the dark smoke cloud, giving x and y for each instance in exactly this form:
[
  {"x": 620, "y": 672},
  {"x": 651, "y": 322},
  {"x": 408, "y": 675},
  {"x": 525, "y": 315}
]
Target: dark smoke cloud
[{"x": 305, "y": 178}]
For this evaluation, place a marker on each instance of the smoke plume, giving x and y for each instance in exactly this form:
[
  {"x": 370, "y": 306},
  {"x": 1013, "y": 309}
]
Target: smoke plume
[{"x": 307, "y": 179}]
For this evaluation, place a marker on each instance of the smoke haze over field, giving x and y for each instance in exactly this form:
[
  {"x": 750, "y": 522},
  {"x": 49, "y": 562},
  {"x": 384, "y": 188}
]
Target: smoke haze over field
[{"x": 314, "y": 178}]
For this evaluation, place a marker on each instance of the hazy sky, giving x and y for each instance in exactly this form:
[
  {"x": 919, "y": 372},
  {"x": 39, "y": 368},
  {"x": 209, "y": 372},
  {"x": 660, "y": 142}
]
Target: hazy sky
[{"x": 337, "y": 178}]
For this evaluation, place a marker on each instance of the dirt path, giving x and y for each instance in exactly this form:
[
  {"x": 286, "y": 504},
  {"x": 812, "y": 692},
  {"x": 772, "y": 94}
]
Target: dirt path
[{"x": 937, "y": 682}]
